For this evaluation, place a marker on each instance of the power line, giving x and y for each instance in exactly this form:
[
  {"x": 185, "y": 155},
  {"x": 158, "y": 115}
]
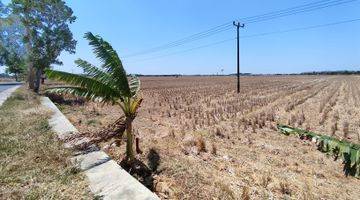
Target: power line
[
  {"x": 295, "y": 10},
  {"x": 301, "y": 28},
  {"x": 249, "y": 36},
  {"x": 257, "y": 18},
  {"x": 283, "y": 10},
  {"x": 210, "y": 32},
  {"x": 187, "y": 50},
  {"x": 227, "y": 26}
]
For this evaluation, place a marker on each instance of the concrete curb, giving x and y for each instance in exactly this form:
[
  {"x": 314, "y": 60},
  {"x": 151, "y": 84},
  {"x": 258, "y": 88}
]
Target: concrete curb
[
  {"x": 59, "y": 123},
  {"x": 106, "y": 178},
  {"x": 7, "y": 93}
]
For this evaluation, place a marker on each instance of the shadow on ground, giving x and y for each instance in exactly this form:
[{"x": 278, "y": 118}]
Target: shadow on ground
[
  {"x": 142, "y": 172},
  {"x": 59, "y": 99}
]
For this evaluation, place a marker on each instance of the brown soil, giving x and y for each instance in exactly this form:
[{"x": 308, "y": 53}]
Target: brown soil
[{"x": 201, "y": 140}]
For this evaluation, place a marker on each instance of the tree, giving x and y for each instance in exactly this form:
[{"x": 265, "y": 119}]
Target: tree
[
  {"x": 12, "y": 49},
  {"x": 47, "y": 34},
  {"x": 15, "y": 65},
  {"x": 108, "y": 84}
]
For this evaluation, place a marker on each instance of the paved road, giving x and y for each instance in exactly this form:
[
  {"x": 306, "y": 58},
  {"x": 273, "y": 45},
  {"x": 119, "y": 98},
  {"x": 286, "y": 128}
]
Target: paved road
[
  {"x": 4, "y": 94},
  {"x": 4, "y": 87}
]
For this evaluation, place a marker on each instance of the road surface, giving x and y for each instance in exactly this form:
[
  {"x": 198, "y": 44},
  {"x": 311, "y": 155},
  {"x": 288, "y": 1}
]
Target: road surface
[{"x": 4, "y": 87}]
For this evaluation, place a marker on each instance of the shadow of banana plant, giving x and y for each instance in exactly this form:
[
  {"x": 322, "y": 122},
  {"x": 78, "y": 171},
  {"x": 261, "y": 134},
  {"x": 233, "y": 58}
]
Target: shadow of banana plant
[{"x": 142, "y": 172}]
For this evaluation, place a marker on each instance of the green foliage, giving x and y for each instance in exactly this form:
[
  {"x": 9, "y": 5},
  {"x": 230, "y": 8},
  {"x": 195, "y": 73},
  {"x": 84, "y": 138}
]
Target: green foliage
[
  {"x": 108, "y": 84},
  {"x": 12, "y": 49},
  {"x": 47, "y": 33},
  {"x": 347, "y": 151},
  {"x": 15, "y": 65},
  {"x": 111, "y": 62},
  {"x": 134, "y": 85},
  {"x": 87, "y": 87},
  {"x": 91, "y": 121}
]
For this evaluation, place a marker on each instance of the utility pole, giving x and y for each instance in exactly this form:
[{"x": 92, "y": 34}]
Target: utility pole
[{"x": 238, "y": 26}]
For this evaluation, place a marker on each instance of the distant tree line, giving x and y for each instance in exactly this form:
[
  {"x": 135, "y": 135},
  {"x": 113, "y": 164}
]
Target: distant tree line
[
  {"x": 156, "y": 75},
  {"x": 339, "y": 72},
  {"x": 178, "y": 75}
]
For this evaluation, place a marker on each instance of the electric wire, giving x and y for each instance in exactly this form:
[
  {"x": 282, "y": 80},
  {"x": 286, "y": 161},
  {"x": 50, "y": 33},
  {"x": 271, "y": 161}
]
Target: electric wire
[
  {"x": 257, "y": 18},
  {"x": 297, "y": 11},
  {"x": 248, "y": 36}
]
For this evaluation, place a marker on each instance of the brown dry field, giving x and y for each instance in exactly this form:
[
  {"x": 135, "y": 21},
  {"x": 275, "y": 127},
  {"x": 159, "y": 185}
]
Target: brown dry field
[{"x": 215, "y": 144}]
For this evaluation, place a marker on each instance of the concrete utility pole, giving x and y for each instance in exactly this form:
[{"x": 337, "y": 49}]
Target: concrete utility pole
[{"x": 238, "y": 26}]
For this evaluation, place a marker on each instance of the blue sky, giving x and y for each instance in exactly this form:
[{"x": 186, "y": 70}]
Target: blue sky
[{"x": 134, "y": 25}]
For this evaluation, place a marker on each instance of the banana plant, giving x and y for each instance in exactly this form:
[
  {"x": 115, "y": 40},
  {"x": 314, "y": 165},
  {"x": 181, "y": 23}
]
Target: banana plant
[
  {"x": 349, "y": 152},
  {"x": 106, "y": 84}
]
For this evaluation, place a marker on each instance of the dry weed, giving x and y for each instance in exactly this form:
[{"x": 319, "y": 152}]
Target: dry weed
[
  {"x": 213, "y": 149},
  {"x": 285, "y": 187},
  {"x": 200, "y": 144},
  {"x": 245, "y": 193},
  {"x": 346, "y": 130},
  {"x": 34, "y": 164}
]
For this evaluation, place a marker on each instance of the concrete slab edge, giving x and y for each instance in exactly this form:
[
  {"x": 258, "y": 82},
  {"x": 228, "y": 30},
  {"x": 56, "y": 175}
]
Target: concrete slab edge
[
  {"x": 106, "y": 178},
  {"x": 7, "y": 93}
]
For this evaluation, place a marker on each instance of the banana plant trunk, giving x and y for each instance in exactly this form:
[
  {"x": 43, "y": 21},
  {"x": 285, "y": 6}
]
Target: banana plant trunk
[{"x": 130, "y": 140}]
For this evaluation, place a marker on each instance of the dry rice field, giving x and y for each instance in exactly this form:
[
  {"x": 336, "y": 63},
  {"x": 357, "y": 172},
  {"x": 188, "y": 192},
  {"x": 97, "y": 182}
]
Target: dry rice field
[{"x": 202, "y": 140}]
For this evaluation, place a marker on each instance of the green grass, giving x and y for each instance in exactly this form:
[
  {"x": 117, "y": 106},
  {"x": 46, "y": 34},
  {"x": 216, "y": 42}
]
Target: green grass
[{"x": 33, "y": 163}]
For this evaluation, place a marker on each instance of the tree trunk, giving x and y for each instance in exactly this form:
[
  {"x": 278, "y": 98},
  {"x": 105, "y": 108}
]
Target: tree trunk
[
  {"x": 38, "y": 79},
  {"x": 129, "y": 142},
  {"x": 31, "y": 72}
]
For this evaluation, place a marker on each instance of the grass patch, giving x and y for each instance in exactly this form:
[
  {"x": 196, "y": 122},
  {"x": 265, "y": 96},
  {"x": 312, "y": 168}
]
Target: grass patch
[{"x": 33, "y": 163}]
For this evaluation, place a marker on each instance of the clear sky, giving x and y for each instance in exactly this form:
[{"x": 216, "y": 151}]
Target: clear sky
[{"x": 135, "y": 25}]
